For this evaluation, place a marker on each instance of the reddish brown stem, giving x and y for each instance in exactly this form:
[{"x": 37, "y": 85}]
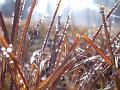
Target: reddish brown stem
[
  {"x": 106, "y": 58},
  {"x": 25, "y": 29},
  {"x": 107, "y": 35}
]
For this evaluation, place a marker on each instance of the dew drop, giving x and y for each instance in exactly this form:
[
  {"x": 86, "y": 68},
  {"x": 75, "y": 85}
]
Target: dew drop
[
  {"x": 3, "y": 48},
  {"x": 21, "y": 81},
  {"x": 11, "y": 62},
  {"x": 7, "y": 56},
  {"x": 9, "y": 49},
  {"x": 4, "y": 53}
]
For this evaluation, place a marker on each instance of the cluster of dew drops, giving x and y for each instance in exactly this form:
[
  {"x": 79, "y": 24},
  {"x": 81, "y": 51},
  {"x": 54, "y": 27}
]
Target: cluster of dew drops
[{"x": 6, "y": 51}]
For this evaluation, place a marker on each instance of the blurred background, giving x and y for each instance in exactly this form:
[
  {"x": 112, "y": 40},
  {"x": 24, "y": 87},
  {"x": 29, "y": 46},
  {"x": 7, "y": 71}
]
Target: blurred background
[{"x": 84, "y": 12}]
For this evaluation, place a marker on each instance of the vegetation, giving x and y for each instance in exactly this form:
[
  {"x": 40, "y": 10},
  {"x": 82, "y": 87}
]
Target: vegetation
[{"x": 66, "y": 60}]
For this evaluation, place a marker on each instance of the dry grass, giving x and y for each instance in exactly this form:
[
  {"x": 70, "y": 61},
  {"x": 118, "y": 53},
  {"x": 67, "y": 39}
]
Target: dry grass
[{"x": 66, "y": 60}]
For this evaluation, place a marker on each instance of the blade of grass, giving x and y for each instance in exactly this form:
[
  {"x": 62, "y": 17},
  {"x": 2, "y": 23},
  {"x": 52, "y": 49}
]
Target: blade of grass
[
  {"x": 107, "y": 35},
  {"x": 4, "y": 29},
  {"x": 99, "y": 29},
  {"x": 49, "y": 31},
  {"x": 47, "y": 37},
  {"x": 4, "y": 43},
  {"x": 106, "y": 58},
  {"x": 54, "y": 54},
  {"x": 14, "y": 34},
  {"x": 24, "y": 31}
]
